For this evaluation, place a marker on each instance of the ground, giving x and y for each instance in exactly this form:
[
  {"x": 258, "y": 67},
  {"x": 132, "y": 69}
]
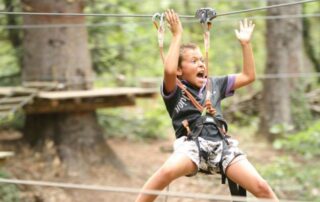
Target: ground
[{"x": 141, "y": 158}]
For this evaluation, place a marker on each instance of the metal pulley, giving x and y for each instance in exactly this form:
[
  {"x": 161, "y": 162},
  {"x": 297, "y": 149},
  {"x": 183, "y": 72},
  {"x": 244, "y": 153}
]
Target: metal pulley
[{"x": 206, "y": 15}]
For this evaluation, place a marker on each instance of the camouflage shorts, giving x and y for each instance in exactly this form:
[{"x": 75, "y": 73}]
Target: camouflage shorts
[{"x": 214, "y": 149}]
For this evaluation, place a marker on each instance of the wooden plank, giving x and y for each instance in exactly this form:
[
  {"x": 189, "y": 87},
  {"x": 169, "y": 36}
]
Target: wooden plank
[
  {"x": 76, "y": 105},
  {"x": 6, "y": 154},
  {"x": 150, "y": 82},
  {"x": 5, "y": 107},
  {"x": 79, "y": 100},
  {"x": 13, "y": 99},
  {"x": 4, "y": 91},
  {"x": 104, "y": 92},
  {"x": 43, "y": 84}
]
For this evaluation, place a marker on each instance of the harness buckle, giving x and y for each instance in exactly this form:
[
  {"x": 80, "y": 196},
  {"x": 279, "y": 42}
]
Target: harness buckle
[
  {"x": 185, "y": 124},
  {"x": 210, "y": 120}
]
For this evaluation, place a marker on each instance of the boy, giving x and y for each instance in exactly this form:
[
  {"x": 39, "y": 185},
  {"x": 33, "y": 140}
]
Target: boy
[{"x": 185, "y": 65}]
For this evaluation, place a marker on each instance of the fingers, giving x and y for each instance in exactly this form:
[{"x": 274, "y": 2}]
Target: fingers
[
  {"x": 241, "y": 25},
  {"x": 173, "y": 21},
  {"x": 252, "y": 27},
  {"x": 245, "y": 30},
  {"x": 171, "y": 16},
  {"x": 168, "y": 16},
  {"x": 246, "y": 24},
  {"x": 250, "y": 23}
]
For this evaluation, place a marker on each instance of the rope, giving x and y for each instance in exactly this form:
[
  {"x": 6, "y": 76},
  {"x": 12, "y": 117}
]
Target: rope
[
  {"x": 147, "y": 22},
  {"x": 131, "y": 190},
  {"x": 34, "y": 26},
  {"x": 79, "y": 14},
  {"x": 166, "y": 197},
  {"x": 148, "y": 15}
]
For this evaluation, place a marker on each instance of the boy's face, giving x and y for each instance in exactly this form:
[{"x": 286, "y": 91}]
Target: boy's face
[{"x": 193, "y": 67}]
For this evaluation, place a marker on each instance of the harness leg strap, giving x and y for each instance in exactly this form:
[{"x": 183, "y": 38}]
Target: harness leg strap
[{"x": 236, "y": 190}]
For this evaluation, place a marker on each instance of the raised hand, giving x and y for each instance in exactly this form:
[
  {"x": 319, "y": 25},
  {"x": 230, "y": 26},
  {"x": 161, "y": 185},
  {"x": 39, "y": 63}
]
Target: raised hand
[
  {"x": 173, "y": 22},
  {"x": 245, "y": 31}
]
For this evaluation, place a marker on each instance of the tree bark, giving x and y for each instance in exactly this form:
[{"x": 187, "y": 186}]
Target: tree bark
[
  {"x": 62, "y": 54},
  {"x": 284, "y": 55},
  {"x": 309, "y": 45}
]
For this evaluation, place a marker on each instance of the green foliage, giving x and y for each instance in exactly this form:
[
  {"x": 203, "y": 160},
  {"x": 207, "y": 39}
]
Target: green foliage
[
  {"x": 281, "y": 129},
  {"x": 147, "y": 121},
  {"x": 305, "y": 142},
  {"x": 10, "y": 56},
  {"x": 297, "y": 181},
  {"x": 13, "y": 121},
  {"x": 313, "y": 8},
  {"x": 8, "y": 192},
  {"x": 301, "y": 114}
]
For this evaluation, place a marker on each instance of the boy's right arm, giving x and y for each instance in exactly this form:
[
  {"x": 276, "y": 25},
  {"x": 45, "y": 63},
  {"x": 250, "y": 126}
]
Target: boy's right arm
[{"x": 171, "y": 61}]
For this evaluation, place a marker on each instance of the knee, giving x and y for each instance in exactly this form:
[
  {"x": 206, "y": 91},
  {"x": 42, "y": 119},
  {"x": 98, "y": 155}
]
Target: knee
[
  {"x": 166, "y": 174},
  {"x": 262, "y": 189}
]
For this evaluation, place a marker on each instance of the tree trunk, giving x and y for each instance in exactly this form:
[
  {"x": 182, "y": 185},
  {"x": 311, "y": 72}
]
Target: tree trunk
[
  {"x": 61, "y": 54},
  {"x": 300, "y": 112},
  {"x": 284, "y": 55},
  {"x": 309, "y": 45}
]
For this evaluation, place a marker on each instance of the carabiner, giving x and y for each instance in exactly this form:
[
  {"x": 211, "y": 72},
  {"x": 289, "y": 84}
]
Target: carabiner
[
  {"x": 158, "y": 21},
  {"x": 155, "y": 18}
]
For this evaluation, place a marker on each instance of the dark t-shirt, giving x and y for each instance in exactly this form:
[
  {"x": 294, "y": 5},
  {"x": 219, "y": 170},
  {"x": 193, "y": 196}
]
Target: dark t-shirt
[{"x": 181, "y": 108}]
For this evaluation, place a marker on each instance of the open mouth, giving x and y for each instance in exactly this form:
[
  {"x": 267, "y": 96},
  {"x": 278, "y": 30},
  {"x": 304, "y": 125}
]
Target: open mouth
[{"x": 201, "y": 75}]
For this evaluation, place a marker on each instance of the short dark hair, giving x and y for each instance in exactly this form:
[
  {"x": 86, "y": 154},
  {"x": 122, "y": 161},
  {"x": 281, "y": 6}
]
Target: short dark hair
[{"x": 183, "y": 47}]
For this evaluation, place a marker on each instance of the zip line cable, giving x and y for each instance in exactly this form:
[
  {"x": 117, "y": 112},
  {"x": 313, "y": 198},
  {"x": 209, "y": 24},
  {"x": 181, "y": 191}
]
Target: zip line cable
[
  {"x": 109, "y": 24},
  {"x": 288, "y": 75},
  {"x": 266, "y": 7},
  {"x": 134, "y": 190},
  {"x": 74, "y": 81},
  {"x": 148, "y": 15}
]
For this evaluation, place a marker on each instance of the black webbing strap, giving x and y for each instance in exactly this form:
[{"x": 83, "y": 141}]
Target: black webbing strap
[
  {"x": 236, "y": 190},
  {"x": 195, "y": 137}
]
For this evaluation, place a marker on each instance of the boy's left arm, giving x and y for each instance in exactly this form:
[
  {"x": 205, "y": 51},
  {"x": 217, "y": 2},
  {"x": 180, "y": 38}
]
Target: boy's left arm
[{"x": 248, "y": 73}]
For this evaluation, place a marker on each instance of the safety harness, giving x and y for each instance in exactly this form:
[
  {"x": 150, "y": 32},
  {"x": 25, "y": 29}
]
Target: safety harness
[{"x": 207, "y": 111}]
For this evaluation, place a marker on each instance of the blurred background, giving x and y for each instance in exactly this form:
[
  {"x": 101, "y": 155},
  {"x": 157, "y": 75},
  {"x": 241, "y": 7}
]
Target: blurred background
[{"x": 98, "y": 140}]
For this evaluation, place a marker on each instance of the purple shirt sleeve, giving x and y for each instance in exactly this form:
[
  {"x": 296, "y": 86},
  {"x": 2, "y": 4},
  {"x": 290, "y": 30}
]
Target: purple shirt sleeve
[
  {"x": 231, "y": 81},
  {"x": 167, "y": 95}
]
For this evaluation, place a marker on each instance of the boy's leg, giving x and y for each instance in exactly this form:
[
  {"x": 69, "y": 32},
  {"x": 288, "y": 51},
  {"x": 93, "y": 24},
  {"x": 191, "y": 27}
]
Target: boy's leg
[
  {"x": 243, "y": 173},
  {"x": 176, "y": 166}
]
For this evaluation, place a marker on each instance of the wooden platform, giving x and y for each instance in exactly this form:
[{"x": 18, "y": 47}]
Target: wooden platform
[
  {"x": 5, "y": 155},
  {"x": 5, "y": 91},
  {"x": 85, "y": 100}
]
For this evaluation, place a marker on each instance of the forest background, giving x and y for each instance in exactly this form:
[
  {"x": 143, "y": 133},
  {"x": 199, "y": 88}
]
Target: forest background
[{"x": 124, "y": 52}]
